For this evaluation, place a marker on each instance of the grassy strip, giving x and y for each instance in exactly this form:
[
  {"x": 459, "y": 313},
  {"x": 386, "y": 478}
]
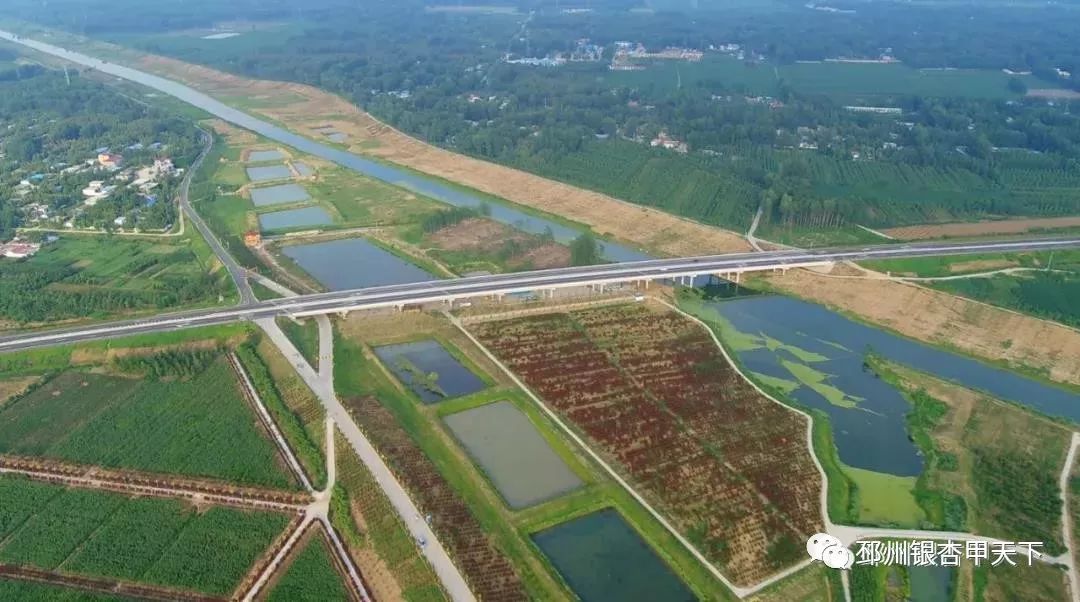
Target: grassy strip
[
  {"x": 48, "y": 359},
  {"x": 305, "y": 336},
  {"x": 263, "y": 292},
  {"x": 289, "y": 421}
]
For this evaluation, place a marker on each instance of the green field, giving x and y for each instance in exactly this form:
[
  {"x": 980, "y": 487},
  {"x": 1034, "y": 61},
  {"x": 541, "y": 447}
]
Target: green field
[
  {"x": 200, "y": 426},
  {"x": 151, "y": 540},
  {"x": 953, "y": 265},
  {"x": 311, "y": 577},
  {"x": 100, "y": 276},
  {"x": 305, "y": 336},
  {"x": 849, "y": 82},
  {"x": 1045, "y": 294},
  {"x": 1049, "y": 296},
  {"x": 363, "y": 201}
]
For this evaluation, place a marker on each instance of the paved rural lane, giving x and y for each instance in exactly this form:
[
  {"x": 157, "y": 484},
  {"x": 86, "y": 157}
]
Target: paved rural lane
[
  {"x": 238, "y": 273},
  {"x": 322, "y": 384}
]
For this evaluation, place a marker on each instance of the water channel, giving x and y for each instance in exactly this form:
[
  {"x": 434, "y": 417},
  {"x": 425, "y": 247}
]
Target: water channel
[
  {"x": 794, "y": 340},
  {"x": 380, "y": 171}
]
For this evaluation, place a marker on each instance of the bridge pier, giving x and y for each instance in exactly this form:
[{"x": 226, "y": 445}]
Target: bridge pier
[{"x": 344, "y": 313}]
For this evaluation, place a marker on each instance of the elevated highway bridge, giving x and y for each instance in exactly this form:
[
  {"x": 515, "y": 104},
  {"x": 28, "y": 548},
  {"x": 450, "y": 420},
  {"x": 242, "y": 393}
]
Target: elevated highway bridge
[{"x": 729, "y": 266}]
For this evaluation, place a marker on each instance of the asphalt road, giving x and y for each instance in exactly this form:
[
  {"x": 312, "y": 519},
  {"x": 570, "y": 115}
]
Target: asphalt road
[
  {"x": 478, "y": 286},
  {"x": 238, "y": 273}
]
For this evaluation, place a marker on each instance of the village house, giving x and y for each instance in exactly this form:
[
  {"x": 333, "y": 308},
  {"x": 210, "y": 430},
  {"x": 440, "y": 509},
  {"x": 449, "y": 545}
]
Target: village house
[
  {"x": 664, "y": 141},
  {"x": 110, "y": 160},
  {"x": 18, "y": 249}
]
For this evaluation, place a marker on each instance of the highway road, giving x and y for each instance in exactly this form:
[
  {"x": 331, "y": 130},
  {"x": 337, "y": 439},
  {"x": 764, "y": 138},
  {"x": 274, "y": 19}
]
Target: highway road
[{"x": 480, "y": 286}]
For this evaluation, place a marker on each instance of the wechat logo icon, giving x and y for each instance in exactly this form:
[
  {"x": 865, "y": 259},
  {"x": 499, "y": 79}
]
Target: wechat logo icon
[{"x": 829, "y": 550}]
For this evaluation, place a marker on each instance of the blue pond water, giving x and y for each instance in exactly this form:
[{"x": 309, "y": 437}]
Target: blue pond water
[
  {"x": 873, "y": 435},
  {"x": 265, "y": 155},
  {"x": 268, "y": 172},
  {"x": 429, "y": 357},
  {"x": 602, "y": 559},
  {"x": 354, "y": 263},
  {"x": 294, "y": 218},
  {"x": 278, "y": 195},
  {"x": 393, "y": 175}
]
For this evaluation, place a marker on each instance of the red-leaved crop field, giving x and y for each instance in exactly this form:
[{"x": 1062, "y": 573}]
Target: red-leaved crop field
[{"x": 653, "y": 393}]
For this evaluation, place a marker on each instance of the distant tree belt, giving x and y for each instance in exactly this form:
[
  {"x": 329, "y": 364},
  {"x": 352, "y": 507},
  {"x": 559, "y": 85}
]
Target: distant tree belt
[{"x": 809, "y": 161}]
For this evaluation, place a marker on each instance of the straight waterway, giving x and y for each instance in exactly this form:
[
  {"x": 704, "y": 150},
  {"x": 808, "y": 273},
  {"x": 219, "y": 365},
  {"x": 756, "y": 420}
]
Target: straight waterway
[{"x": 379, "y": 171}]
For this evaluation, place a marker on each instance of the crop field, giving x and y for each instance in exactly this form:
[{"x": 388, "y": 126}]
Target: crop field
[
  {"x": 487, "y": 570},
  {"x": 311, "y": 577},
  {"x": 843, "y": 81},
  {"x": 648, "y": 177},
  {"x": 199, "y": 427},
  {"x": 654, "y": 393},
  {"x": 94, "y": 276},
  {"x": 150, "y": 540},
  {"x": 1051, "y": 296}
]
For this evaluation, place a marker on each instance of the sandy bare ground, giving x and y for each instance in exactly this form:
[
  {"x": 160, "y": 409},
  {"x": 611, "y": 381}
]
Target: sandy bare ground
[
  {"x": 306, "y": 109},
  {"x": 982, "y": 228},
  {"x": 14, "y": 386},
  {"x": 944, "y": 319},
  {"x": 488, "y": 237}
]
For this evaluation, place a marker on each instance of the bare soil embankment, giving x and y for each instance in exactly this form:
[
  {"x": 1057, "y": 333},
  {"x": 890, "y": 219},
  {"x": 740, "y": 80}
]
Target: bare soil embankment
[
  {"x": 982, "y": 228},
  {"x": 943, "y": 319}
]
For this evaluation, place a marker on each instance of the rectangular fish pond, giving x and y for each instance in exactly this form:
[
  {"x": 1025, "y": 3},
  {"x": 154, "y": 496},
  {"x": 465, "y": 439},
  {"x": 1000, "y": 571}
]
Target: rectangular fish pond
[
  {"x": 513, "y": 454},
  {"x": 268, "y": 172},
  {"x": 602, "y": 558},
  {"x": 278, "y": 195},
  {"x": 351, "y": 263},
  {"x": 294, "y": 218},
  {"x": 428, "y": 369},
  {"x": 265, "y": 155}
]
